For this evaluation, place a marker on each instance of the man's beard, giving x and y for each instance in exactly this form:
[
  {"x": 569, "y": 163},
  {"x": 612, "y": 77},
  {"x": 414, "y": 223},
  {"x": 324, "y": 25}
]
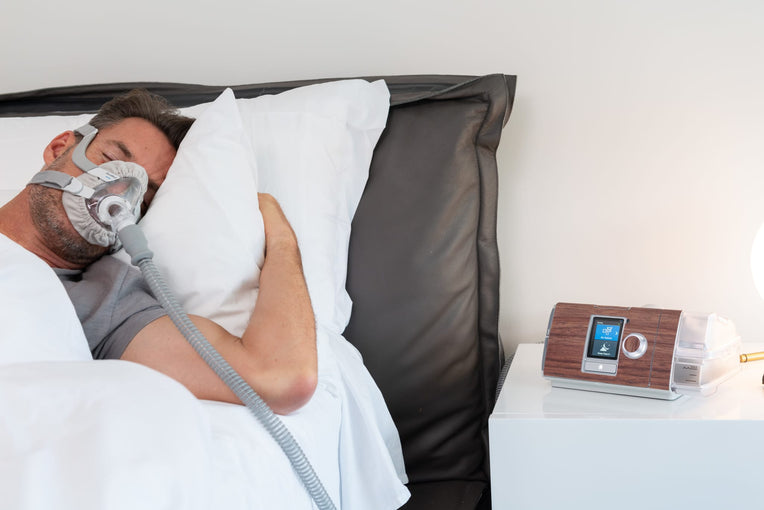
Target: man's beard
[{"x": 51, "y": 221}]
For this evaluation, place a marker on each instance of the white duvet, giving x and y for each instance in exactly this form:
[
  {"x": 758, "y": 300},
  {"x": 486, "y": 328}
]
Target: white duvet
[{"x": 82, "y": 434}]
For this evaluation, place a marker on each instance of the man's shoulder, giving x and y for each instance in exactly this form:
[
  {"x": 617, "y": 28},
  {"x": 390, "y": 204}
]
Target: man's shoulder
[
  {"x": 107, "y": 276},
  {"x": 113, "y": 303}
]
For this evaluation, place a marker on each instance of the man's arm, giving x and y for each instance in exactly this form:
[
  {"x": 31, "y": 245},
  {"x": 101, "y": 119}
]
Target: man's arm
[{"x": 276, "y": 354}]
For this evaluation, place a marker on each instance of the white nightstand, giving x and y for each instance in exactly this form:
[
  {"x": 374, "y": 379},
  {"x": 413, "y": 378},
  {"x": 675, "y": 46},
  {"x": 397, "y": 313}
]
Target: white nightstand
[{"x": 556, "y": 448}]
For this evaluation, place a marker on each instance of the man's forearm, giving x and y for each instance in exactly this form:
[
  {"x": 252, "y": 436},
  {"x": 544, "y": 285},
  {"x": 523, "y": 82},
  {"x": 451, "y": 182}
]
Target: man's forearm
[
  {"x": 277, "y": 353},
  {"x": 281, "y": 334},
  {"x": 283, "y": 315}
]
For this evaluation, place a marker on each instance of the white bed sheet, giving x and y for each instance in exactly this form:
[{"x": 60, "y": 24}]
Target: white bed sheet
[
  {"x": 107, "y": 435},
  {"x": 82, "y": 434}
]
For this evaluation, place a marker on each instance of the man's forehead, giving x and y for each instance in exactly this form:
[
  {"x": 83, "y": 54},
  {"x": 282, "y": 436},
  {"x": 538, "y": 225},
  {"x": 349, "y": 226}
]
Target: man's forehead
[
  {"x": 139, "y": 140},
  {"x": 134, "y": 129}
]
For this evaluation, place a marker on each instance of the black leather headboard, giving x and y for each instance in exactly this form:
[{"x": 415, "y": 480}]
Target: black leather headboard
[
  {"x": 424, "y": 274},
  {"x": 423, "y": 264}
]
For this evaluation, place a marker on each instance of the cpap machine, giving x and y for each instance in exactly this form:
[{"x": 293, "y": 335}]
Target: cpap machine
[{"x": 647, "y": 352}]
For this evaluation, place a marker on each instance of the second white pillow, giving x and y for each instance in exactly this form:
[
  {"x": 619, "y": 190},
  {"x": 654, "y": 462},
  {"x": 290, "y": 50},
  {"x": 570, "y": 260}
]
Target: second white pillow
[{"x": 204, "y": 225}]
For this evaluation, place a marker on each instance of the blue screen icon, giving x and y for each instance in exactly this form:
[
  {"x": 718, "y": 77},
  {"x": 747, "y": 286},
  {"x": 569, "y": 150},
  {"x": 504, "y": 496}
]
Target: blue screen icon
[{"x": 607, "y": 332}]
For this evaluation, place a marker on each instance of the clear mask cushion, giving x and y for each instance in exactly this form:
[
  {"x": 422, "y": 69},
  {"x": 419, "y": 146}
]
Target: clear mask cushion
[{"x": 91, "y": 218}]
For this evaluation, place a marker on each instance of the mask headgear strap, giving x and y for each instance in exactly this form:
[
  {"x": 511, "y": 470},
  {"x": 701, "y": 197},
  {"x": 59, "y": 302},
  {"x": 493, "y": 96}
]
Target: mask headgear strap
[
  {"x": 79, "y": 158},
  {"x": 59, "y": 180},
  {"x": 64, "y": 182}
]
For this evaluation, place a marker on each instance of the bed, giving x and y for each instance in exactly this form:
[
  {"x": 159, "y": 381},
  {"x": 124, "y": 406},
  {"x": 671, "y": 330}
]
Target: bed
[{"x": 391, "y": 185}]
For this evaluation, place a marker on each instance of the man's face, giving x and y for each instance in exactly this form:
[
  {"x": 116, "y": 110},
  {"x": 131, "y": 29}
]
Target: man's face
[
  {"x": 132, "y": 139},
  {"x": 135, "y": 140}
]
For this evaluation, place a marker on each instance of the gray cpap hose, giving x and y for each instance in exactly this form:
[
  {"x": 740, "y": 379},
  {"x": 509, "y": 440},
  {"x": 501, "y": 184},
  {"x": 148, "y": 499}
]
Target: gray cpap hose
[{"x": 137, "y": 247}]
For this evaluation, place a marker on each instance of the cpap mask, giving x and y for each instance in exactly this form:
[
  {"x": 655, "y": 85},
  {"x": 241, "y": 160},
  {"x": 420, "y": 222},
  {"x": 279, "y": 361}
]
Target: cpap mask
[{"x": 104, "y": 198}]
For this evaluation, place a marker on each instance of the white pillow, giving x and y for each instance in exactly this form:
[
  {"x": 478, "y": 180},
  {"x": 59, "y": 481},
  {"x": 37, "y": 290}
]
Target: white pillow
[
  {"x": 313, "y": 146},
  {"x": 37, "y": 319},
  {"x": 204, "y": 225}
]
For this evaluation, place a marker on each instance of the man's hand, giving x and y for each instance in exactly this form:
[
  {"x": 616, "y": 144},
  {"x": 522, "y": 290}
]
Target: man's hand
[{"x": 277, "y": 228}]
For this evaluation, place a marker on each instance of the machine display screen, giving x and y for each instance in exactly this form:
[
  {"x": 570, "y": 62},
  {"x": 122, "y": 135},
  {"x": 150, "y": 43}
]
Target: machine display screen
[{"x": 605, "y": 337}]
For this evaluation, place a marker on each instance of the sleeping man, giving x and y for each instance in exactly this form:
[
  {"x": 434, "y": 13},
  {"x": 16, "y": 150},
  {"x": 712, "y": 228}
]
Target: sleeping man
[{"x": 276, "y": 354}]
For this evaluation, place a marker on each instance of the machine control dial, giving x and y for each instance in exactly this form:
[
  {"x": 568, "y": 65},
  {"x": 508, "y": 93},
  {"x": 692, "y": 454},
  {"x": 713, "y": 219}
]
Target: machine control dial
[{"x": 634, "y": 346}]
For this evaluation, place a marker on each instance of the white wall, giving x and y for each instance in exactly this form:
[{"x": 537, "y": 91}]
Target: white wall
[{"x": 632, "y": 165}]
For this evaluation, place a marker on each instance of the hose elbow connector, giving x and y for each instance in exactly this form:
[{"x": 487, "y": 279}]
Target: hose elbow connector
[{"x": 135, "y": 243}]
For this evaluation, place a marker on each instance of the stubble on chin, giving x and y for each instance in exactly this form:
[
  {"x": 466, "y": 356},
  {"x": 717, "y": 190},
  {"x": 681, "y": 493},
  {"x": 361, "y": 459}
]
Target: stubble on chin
[{"x": 50, "y": 220}]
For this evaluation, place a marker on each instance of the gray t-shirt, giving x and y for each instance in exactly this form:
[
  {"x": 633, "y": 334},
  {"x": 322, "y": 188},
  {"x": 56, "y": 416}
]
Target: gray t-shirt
[{"x": 113, "y": 303}]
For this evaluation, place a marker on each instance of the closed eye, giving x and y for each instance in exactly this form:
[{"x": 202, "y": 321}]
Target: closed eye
[{"x": 117, "y": 151}]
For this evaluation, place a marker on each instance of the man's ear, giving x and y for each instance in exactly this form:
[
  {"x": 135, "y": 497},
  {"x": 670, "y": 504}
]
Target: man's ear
[{"x": 58, "y": 146}]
